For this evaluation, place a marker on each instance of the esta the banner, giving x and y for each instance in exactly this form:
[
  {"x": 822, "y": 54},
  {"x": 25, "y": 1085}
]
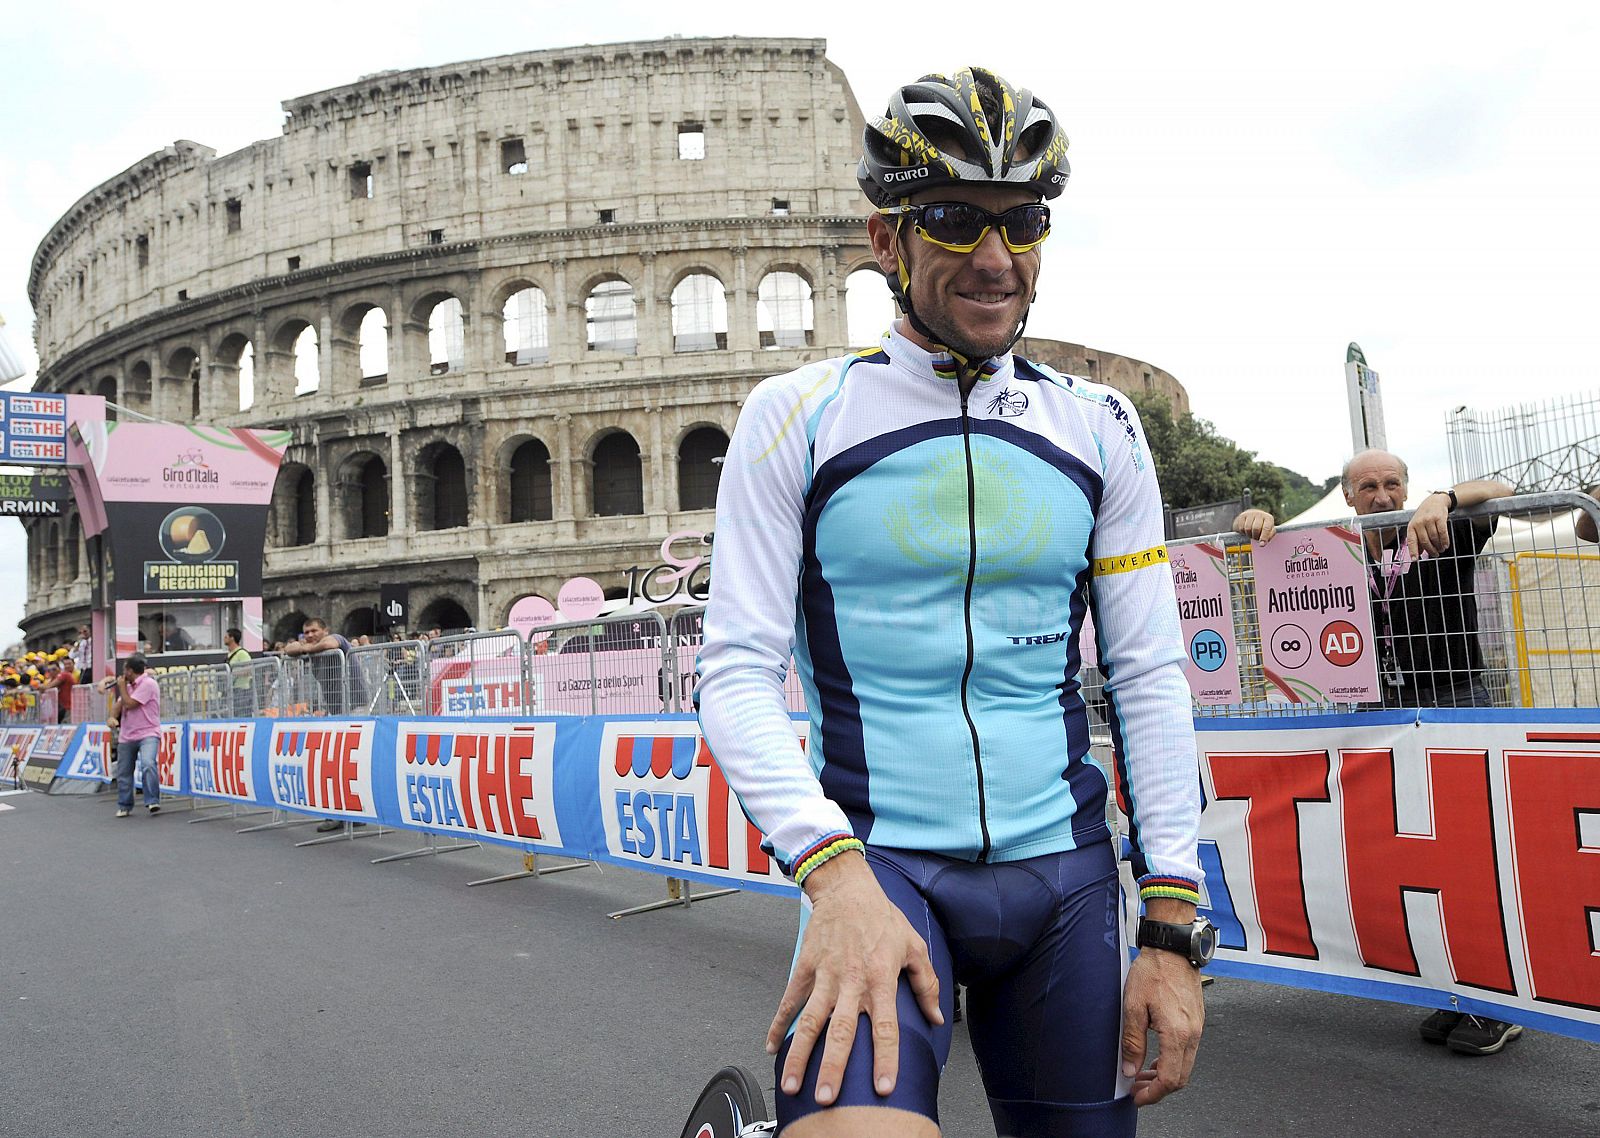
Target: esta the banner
[
  {"x": 1411, "y": 856},
  {"x": 323, "y": 766},
  {"x": 221, "y": 760},
  {"x": 1200, "y": 579},
  {"x": 90, "y": 755},
  {"x": 666, "y": 804},
  {"x": 1316, "y": 616},
  {"x": 490, "y": 781}
]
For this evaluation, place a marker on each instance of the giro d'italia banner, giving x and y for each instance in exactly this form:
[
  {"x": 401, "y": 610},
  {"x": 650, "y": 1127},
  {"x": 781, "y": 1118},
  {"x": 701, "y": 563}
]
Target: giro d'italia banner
[
  {"x": 1418, "y": 856},
  {"x": 1200, "y": 580}
]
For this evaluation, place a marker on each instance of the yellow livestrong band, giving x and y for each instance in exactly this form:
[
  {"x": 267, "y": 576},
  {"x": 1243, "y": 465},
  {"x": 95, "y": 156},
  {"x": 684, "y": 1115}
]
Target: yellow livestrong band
[
  {"x": 825, "y": 854},
  {"x": 1127, "y": 562}
]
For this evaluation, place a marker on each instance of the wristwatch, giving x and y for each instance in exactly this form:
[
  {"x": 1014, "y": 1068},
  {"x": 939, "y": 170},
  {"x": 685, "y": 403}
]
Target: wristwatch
[
  {"x": 1197, "y": 941},
  {"x": 1451, "y": 494}
]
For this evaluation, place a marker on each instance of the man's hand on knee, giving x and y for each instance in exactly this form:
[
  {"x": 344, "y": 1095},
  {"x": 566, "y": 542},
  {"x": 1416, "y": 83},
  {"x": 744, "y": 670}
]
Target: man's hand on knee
[{"x": 856, "y": 945}]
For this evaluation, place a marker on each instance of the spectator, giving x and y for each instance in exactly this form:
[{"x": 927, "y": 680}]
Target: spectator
[
  {"x": 238, "y": 658},
  {"x": 1427, "y": 617},
  {"x": 83, "y": 655},
  {"x": 331, "y": 655},
  {"x": 60, "y": 678},
  {"x": 173, "y": 638},
  {"x": 138, "y": 710}
]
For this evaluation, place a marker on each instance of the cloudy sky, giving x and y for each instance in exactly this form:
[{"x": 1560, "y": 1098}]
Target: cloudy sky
[{"x": 1254, "y": 185}]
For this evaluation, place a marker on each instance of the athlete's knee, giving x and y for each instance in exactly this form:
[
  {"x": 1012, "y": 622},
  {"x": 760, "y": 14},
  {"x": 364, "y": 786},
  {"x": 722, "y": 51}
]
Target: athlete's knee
[{"x": 855, "y": 1121}]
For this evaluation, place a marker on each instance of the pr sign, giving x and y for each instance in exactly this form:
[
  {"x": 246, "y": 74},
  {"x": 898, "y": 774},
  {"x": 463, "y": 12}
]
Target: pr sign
[
  {"x": 1200, "y": 578},
  {"x": 1316, "y": 616}
]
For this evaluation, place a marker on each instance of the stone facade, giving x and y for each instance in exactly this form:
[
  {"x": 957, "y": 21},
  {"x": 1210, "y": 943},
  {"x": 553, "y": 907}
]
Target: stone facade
[{"x": 635, "y": 235}]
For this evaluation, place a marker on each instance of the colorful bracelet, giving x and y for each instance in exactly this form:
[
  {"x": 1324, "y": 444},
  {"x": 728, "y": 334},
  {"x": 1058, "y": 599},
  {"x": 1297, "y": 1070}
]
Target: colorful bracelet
[
  {"x": 826, "y": 852},
  {"x": 1177, "y": 888}
]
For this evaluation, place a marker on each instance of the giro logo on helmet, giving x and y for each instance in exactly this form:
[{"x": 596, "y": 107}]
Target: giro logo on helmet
[{"x": 906, "y": 175}]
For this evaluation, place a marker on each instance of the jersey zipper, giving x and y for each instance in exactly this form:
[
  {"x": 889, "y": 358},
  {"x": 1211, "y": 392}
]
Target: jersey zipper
[{"x": 966, "y": 614}]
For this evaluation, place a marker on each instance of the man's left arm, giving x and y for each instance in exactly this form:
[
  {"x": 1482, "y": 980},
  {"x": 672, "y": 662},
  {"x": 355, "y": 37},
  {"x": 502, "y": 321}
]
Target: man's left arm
[
  {"x": 1148, "y": 706},
  {"x": 1429, "y": 530}
]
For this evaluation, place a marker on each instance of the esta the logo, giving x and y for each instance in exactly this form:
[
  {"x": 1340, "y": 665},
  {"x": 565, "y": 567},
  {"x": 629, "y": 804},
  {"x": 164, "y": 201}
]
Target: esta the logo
[
  {"x": 473, "y": 780},
  {"x": 664, "y": 824}
]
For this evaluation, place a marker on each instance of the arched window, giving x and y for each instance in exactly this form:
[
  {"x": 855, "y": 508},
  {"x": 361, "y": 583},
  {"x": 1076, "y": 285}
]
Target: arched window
[
  {"x": 442, "y": 488},
  {"x": 699, "y": 314},
  {"x": 699, "y": 468},
  {"x": 608, "y": 313},
  {"x": 181, "y": 383},
  {"x": 868, "y": 305},
  {"x": 446, "y": 614},
  {"x": 530, "y": 483},
  {"x": 783, "y": 310},
  {"x": 373, "y": 341},
  {"x": 307, "y": 362},
  {"x": 74, "y": 546},
  {"x": 366, "y": 497},
  {"x": 361, "y": 621},
  {"x": 136, "y": 393},
  {"x": 304, "y": 521},
  {"x": 527, "y": 327},
  {"x": 618, "y": 477},
  {"x": 52, "y": 555},
  {"x": 447, "y": 346}
]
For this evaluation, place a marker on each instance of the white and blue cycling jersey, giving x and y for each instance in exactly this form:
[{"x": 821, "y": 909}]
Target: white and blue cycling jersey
[{"x": 928, "y": 560}]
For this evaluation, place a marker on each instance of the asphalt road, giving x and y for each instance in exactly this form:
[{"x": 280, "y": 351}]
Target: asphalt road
[{"x": 163, "y": 978}]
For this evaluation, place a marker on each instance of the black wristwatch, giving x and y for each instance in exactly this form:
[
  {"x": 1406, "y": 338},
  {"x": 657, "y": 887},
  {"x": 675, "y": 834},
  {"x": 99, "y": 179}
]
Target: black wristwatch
[
  {"x": 1451, "y": 494},
  {"x": 1196, "y": 941}
]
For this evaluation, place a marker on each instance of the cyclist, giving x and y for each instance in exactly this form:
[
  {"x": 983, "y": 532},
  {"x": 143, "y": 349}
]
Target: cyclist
[{"x": 925, "y": 524}]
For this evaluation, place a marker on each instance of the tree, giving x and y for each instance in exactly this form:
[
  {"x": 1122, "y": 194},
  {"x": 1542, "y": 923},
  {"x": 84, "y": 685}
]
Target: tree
[{"x": 1197, "y": 466}]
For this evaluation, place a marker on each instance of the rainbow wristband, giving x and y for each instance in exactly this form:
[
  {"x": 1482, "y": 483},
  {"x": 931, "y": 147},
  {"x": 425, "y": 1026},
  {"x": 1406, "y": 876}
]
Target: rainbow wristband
[
  {"x": 820, "y": 855},
  {"x": 1177, "y": 888}
]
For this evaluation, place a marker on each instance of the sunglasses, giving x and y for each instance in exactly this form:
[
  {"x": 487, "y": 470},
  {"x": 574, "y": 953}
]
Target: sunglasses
[{"x": 961, "y": 226}]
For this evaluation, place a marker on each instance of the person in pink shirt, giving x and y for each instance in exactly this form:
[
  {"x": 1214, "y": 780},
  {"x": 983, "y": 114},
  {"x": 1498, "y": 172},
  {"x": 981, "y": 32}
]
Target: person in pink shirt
[{"x": 138, "y": 736}]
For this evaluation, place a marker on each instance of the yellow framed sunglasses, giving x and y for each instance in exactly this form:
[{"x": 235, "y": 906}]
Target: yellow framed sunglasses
[{"x": 961, "y": 226}]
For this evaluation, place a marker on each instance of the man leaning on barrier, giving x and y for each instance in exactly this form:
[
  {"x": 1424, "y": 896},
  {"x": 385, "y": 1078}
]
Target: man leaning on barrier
[
  {"x": 924, "y": 525},
  {"x": 1426, "y": 617}
]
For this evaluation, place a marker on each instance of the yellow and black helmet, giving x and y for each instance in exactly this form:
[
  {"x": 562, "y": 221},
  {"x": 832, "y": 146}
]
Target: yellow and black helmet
[{"x": 970, "y": 128}]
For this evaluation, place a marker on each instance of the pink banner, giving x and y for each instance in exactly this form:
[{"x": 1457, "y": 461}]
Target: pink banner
[
  {"x": 1200, "y": 577},
  {"x": 1316, "y": 617}
]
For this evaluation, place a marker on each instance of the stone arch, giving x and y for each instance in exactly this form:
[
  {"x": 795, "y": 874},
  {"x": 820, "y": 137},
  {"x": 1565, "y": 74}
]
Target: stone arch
[
  {"x": 360, "y": 351},
  {"x": 785, "y": 307},
  {"x": 523, "y": 309},
  {"x": 610, "y": 315},
  {"x": 52, "y": 553},
  {"x": 446, "y": 614},
  {"x": 287, "y": 627},
  {"x": 700, "y": 452},
  {"x": 441, "y": 487},
  {"x": 73, "y": 551},
  {"x": 292, "y": 517},
  {"x": 699, "y": 311},
  {"x": 444, "y": 317},
  {"x": 106, "y": 388},
  {"x": 180, "y": 383},
  {"x": 364, "y": 495},
  {"x": 617, "y": 486},
  {"x": 233, "y": 367},
  {"x": 531, "y": 496},
  {"x": 138, "y": 391},
  {"x": 297, "y": 348},
  {"x": 359, "y": 621}
]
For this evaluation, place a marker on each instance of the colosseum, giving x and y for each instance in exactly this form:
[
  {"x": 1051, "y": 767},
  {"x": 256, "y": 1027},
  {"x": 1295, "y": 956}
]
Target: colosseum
[{"x": 509, "y": 309}]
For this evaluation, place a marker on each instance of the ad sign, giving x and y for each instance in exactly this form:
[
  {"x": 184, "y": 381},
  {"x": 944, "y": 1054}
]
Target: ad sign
[
  {"x": 221, "y": 760},
  {"x": 33, "y": 429},
  {"x": 1316, "y": 616},
  {"x": 323, "y": 766},
  {"x": 665, "y": 802},
  {"x": 24, "y": 495},
  {"x": 491, "y": 781},
  {"x": 1200, "y": 578}
]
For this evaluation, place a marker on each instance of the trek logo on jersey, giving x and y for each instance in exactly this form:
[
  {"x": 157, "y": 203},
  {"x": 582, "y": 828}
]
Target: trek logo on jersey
[
  {"x": 488, "y": 780},
  {"x": 323, "y": 766},
  {"x": 220, "y": 760},
  {"x": 667, "y": 801}
]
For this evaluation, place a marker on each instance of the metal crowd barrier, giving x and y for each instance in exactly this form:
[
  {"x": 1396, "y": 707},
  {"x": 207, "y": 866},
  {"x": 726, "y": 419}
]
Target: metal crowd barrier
[
  {"x": 1521, "y": 629},
  {"x": 388, "y": 678},
  {"x": 24, "y": 707}
]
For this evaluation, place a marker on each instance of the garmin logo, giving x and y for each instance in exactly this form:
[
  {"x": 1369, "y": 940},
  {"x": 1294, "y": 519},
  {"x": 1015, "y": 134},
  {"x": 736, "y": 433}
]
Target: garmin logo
[{"x": 906, "y": 175}]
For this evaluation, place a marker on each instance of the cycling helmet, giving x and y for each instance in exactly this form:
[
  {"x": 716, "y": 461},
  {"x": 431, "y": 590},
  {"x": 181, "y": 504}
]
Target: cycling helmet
[{"x": 908, "y": 149}]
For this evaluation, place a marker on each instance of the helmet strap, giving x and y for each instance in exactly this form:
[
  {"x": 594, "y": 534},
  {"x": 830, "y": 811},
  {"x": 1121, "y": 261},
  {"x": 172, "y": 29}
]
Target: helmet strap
[{"x": 900, "y": 288}]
